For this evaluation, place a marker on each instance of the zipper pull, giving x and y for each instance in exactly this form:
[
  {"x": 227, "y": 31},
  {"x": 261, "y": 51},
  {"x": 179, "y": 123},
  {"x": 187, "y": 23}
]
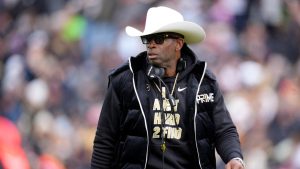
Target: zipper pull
[{"x": 163, "y": 147}]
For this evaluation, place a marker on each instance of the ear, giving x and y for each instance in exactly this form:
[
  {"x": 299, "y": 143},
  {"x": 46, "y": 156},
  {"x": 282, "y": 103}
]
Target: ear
[{"x": 179, "y": 44}]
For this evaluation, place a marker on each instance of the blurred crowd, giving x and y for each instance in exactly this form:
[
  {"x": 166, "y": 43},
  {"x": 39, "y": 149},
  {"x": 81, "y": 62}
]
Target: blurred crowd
[{"x": 55, "y": 57}]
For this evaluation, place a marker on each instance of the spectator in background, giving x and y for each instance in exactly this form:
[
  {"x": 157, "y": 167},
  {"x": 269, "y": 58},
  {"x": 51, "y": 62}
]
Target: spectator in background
[{"x": 12, "y": 154}]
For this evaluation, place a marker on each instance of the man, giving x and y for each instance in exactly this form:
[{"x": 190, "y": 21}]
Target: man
[{"x": 163, "y": 109}]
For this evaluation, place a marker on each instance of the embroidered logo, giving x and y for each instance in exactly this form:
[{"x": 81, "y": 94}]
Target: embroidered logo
[
  {"x": 205, "y": 98},
  {"x": 181, "y": 89}
]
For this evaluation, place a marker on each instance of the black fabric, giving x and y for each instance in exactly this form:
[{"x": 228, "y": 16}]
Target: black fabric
[
  {"x": 178, "y": 152},
  {"x": 123, "y": 136}
]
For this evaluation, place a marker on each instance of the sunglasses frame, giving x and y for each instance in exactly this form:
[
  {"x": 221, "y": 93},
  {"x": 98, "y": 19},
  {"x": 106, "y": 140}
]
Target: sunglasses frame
[{"x": 159, "y": 38}]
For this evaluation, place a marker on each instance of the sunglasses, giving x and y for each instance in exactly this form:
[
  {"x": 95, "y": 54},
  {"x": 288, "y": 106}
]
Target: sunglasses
[{"x": 160, "y": 38}]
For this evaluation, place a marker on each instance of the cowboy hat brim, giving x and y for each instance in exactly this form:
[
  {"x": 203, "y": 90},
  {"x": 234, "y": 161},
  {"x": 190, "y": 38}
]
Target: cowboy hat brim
[{"x": 192, "y": 32}]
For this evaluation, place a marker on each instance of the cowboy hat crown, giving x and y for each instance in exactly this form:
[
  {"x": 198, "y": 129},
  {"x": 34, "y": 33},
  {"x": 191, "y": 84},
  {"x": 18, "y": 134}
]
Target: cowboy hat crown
[{"x": 164, "y": 19}]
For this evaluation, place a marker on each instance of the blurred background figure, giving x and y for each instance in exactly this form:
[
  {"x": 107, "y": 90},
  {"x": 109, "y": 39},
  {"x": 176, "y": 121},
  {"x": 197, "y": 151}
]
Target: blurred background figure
[
  {"x": 12, "y": 154},
  {"x": 55, "y": 56}
]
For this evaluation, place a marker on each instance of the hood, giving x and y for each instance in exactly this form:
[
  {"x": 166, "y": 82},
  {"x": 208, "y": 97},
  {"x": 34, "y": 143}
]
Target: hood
[{"x": 140, "y": 61}]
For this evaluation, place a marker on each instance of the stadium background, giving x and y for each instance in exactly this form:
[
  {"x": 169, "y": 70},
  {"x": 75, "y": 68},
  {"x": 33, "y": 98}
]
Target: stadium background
[{"x": 55, "y": 57}]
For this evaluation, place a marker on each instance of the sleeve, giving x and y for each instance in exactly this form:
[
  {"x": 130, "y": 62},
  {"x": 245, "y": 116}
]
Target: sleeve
[
  {"x": 226, "y": 136},
  {"x": 107, "y": 133}
]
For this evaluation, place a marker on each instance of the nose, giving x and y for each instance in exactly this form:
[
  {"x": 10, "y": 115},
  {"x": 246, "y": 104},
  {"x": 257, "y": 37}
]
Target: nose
[{"x": 151, "y": 44}]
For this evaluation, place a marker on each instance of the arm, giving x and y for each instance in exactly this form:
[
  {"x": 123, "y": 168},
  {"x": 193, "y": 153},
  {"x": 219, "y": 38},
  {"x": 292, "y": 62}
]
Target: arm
[
  {"x": 227, "y": 138},
  {"x": 107, "y": 133}
]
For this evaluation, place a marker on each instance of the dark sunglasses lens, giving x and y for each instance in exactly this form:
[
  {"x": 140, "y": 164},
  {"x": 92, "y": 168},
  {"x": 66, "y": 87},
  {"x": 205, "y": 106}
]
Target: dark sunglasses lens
[{"x": 159, "y": 39}]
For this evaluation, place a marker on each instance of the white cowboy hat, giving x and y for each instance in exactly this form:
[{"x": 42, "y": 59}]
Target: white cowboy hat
[{"x": 164, "y": 19}]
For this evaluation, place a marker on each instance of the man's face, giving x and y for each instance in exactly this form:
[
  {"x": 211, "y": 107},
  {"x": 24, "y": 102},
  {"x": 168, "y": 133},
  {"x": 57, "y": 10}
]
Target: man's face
[{"x": 161, "y": 49}]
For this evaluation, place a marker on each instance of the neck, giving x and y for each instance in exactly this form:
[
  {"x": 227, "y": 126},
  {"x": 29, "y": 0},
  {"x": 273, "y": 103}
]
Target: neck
[{"x": 170, "y": 72}]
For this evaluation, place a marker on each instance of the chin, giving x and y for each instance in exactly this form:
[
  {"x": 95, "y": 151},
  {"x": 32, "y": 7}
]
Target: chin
[
  {"x": 157, "y": 65},
  {"x": 155, "y": 62},
  {"x": 152, "y": 62}
]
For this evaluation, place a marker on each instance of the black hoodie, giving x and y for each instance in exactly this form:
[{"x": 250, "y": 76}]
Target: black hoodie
[{"x": 124, "y": 137}]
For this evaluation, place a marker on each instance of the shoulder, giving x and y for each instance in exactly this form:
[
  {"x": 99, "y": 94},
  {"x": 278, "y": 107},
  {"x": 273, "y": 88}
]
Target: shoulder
[
  {"x": 135, "y": 63},
  {"x": 209, "y": 81},
  {"x": 120, "y": 75},
  {"x": 210, "y": 75},
  {"x": 119, "y": 70},
  {"x": 200, "y": 68}
]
